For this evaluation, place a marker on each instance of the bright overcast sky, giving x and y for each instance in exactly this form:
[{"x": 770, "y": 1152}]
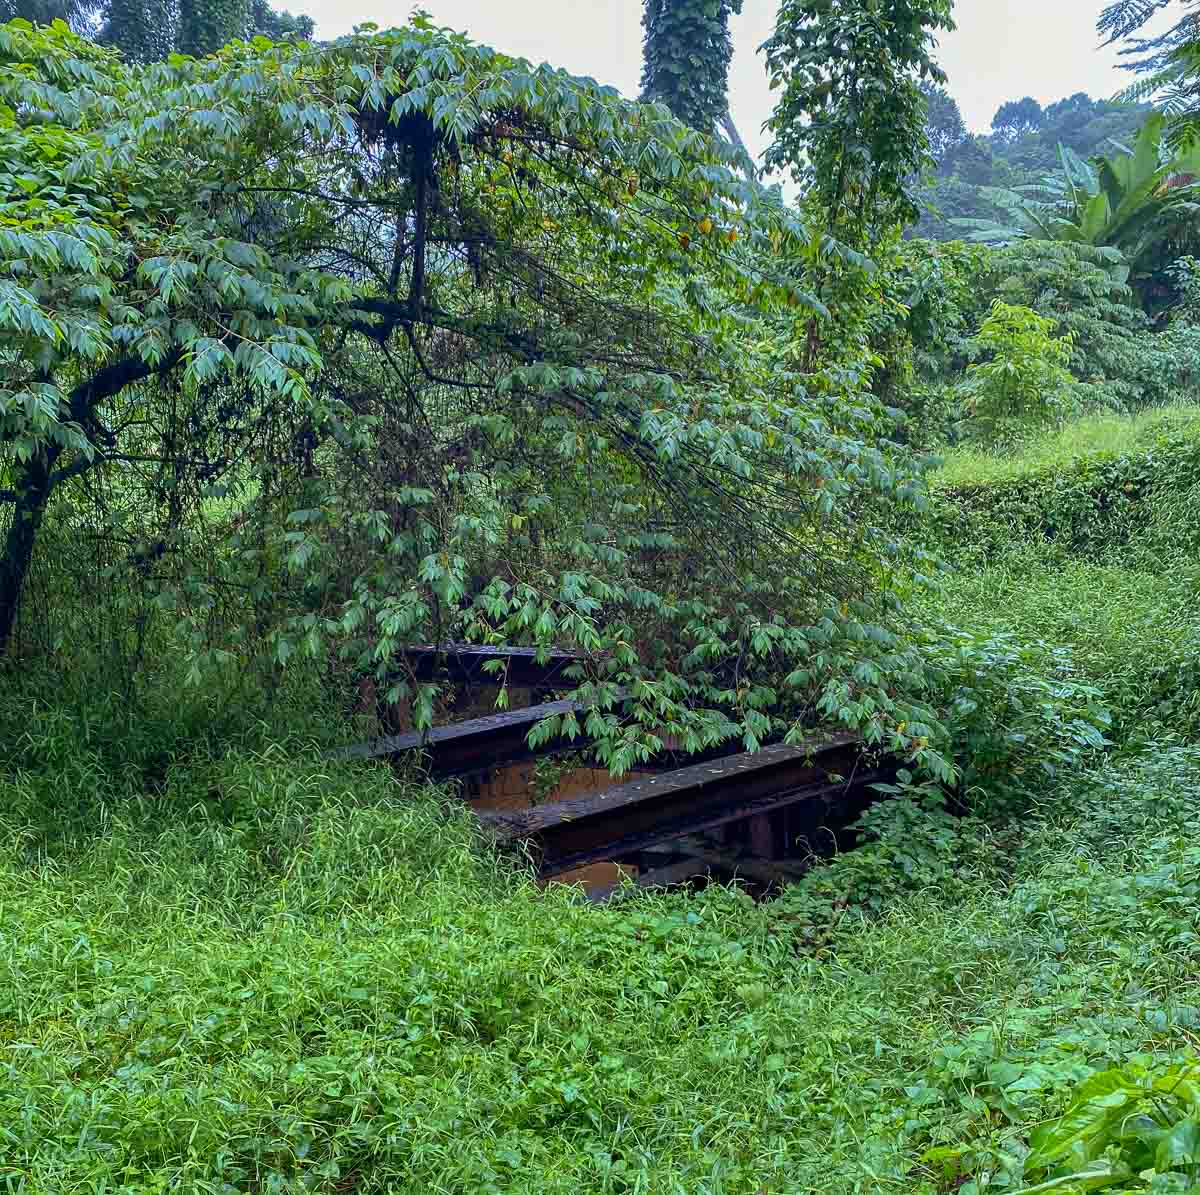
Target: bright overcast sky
[{"x": 1002, "y": 49}]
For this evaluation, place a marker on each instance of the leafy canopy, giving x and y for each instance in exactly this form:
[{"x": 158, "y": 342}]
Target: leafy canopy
[
  {"x": 1016, "y": 118},
  {"x": 850, "y": 119},
  {"x": 471, "y": 349}
]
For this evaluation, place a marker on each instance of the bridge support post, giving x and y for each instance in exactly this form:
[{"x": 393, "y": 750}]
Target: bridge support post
[{"x": 763, "y": 837}]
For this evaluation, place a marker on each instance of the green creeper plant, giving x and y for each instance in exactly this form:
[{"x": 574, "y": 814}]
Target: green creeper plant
[
  {"x": 850, "y": 119},
  {"x": 686, "y": 56},
  {"x": 143, "y": 30},
  {"x": 206, "y": 25}
]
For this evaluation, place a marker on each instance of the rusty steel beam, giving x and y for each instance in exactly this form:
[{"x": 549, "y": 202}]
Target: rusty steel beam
[
  {"x": 645, "y": 813},
  {"x": 669, "y": 875},
  {"x": 763, "y": 870},
  {"x": 474, "y": 746},
  {"x": 477, "y": 744},
  {"x": 817, "y": 800}
]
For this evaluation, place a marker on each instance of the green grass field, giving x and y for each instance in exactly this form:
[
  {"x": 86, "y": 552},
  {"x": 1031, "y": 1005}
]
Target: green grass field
[
  {"x": 276, "y": 977},
  {"x": 1094, "y": 435}
]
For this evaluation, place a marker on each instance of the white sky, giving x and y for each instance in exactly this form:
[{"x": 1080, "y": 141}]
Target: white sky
[{"x": 1002, "y": 49}]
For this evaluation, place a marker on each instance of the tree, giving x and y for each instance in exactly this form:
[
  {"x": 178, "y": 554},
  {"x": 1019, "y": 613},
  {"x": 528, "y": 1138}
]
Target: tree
[
  {"x": 945, "y": 128},
  {"x": 206, "y": 25},
  {"x": 850, "y": 126},
  {"x": 434, "y": 344},
  {"x": 1079, "y": 123},
  {"x": 687, "y": 51},
  {"x": 278, "y": 26},
  {"x": 974, "y": 161},
  {"x": 686, "y": 55},
  {"x": 948, "y": 138},
  {"x": 149, "y": 30},
  {"x": 1024, "y": 378},
  {"x": 1138, "y": 204},
  {"x": 1169, "y": 63},
  {"x": 143, "y": 30},
  {"x": 1016, "y": 118},
  {"x": 81, "y": 15},
  {"x": 850, "y": 119}
]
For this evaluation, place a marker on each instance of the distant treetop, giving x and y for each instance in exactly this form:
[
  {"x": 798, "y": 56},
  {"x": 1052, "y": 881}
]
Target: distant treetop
[{"x": 149, "y": 30}]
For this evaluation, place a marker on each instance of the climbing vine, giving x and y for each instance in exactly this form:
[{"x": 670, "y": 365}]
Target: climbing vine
[
  {"x": 850, "y": 121},
  {"x": 687, "y": 54}
]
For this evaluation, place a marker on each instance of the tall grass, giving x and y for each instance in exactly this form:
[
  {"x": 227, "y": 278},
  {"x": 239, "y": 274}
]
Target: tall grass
[
  {"x": 1092, "y": 435},
  {"x": 228, "y": 964},
  {"x": 247, "y": 969}
]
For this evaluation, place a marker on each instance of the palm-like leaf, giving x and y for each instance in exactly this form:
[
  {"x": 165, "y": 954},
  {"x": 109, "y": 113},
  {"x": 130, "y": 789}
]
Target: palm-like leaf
[{"x": 1129, "y": 202}]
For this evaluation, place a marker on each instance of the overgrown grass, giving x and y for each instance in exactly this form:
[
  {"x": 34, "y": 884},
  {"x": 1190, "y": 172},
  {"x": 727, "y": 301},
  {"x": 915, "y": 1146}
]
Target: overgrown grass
[
  {"x": 1104, "y": 563},
  {"x": 1092, "y": 435},
  {"x": 1133, "y": 633},
  {"x": 269, "y": 974},
  {"x": 228, "y": 965}
]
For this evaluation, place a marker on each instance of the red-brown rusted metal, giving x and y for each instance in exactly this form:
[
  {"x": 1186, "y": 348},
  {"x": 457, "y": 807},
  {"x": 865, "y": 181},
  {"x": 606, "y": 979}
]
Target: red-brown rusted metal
[
  {"x": 628, "y": 818},
  {"x": 474, "y": 746}
]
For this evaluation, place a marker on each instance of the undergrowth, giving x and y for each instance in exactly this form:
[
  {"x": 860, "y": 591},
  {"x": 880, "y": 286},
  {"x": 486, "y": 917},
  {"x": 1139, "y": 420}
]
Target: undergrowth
[
  {"x": 228, "y": 964},
  {"x": 1105, "y": 434},
  {"x": 276, "y": 974}
]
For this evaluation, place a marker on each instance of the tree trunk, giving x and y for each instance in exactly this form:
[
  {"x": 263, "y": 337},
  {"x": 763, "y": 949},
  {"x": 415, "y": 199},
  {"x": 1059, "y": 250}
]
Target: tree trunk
[
  {"x": 36, "y": 478},
  {"x": 33, "y": 495},
  {"x": 726, "y": 125}
]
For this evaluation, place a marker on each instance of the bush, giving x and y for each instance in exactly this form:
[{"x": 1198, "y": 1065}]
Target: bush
[
  {"x": 1132, "y": 635},
  {"x": 1114, "y": 353},
  {"x": 1087, "y": 502},
  {"x": 1023, "y": 382}
]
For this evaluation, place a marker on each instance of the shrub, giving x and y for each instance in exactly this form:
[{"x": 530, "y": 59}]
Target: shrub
[
  {"x": 1115, "y": 354},
  {"x": 1088, "y": 502},
  {"x": 1023, "y": 380}
]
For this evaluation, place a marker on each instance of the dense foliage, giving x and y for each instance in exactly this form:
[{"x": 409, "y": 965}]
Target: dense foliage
[
  {"x": 685, "y": 62},
  {"x": 1136, "y": 207},
  {"x": 146, "y": 30},
  {"x": 1021, "y": 150},
  {"x": 314, "y": 352},
  {"x": 276, "y": 974},
  {"x": 450, "y": 240}
]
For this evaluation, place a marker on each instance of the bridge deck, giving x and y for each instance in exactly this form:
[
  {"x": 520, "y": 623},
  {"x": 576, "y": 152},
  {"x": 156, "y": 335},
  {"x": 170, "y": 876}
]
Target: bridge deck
[
  {"x": 642, "y": 814},
  {"x": 471, "y": 746}
]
